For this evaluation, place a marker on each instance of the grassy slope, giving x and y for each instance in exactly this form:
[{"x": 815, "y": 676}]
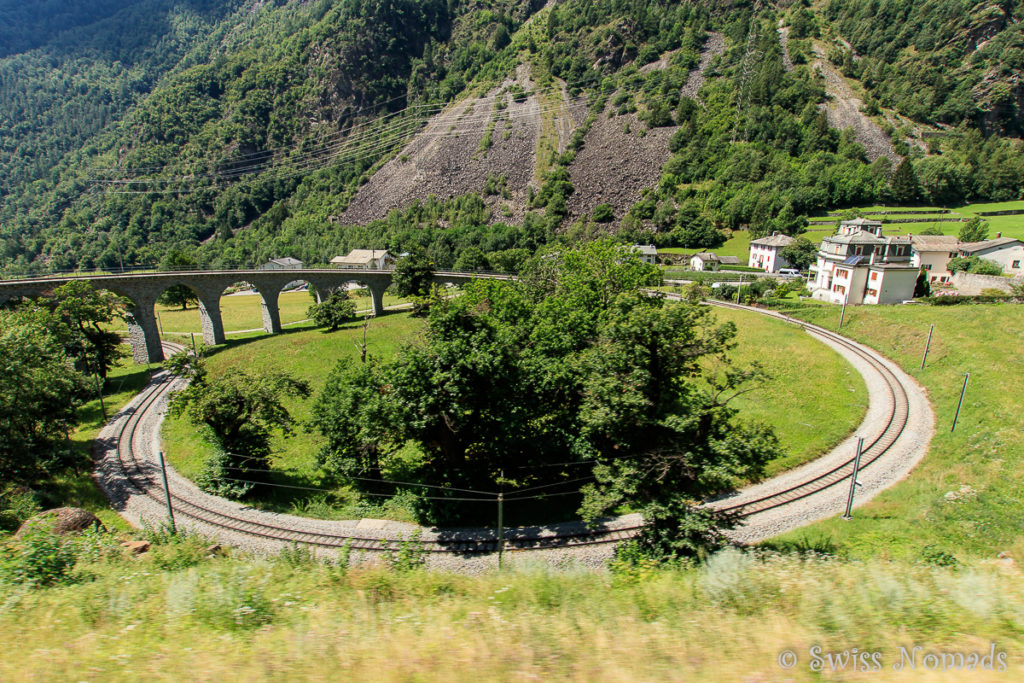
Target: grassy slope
[
  {"x": 1010, "y": 226},
  {"x": 789, "y": 355},
  {"x": 304, "y": 353},
  {"x": 240, "y": 619},
  {"x": 985, "y": 453},
  {"x": 814, "y": 399},
  {"x": 243, "y": 312}
]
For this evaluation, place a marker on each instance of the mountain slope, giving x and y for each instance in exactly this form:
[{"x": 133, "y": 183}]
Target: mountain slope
[{"x": 257, "y": 129}]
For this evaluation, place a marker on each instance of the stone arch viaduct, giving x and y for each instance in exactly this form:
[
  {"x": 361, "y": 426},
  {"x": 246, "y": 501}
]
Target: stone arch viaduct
[{"x": 143, "y": 289}]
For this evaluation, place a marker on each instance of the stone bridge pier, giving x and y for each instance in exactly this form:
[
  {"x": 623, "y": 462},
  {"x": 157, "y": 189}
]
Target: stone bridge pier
[{"x": 144, "y": 289}]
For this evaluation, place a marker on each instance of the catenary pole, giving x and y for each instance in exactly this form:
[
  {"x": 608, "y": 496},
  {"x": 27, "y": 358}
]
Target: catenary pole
[
  {"x": 853, "y": 479},
  {"x": 167, "y": 493},
  {"x": 961, "y": 403},
  {"x": 927, "y": 345}
]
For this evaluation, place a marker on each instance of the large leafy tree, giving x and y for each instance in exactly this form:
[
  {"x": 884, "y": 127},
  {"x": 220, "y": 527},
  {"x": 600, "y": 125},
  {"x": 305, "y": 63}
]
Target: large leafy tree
[
  {"x": 39, "y": 393},
  {"x": 242, "y": 409},
  {"x": 801, "y": 253},
  {"x": 80, "y": 316},
  {"x": 576, "y": 363}
]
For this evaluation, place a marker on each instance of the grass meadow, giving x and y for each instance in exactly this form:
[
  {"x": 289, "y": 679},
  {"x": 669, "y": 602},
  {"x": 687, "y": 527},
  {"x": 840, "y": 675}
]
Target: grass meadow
[
  {"x": 965, "y": 497},
  {"x": 808, "y": 422},
  {"x": 913, "y": 581},
  {"x": 173, "y": 614},
  {"x": 243, "y": 312}
]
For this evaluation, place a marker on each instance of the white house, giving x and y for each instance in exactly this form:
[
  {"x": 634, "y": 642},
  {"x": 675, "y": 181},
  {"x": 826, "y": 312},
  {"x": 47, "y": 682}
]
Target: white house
[
  {"x": 365, "y": 259},
  {"x": 931, "y": 253},
  {"x": 859, "y": 266},
  {"x": 764, "y": 252},
  {"x": 648, "y": 253},
  {"x": 1006, "y": 251},
  {"x": 286, "y": 263},
  {"x": 705, "y": 260}
]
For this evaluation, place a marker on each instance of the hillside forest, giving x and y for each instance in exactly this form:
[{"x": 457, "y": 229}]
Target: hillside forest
[{"x": 223, "y": 134}]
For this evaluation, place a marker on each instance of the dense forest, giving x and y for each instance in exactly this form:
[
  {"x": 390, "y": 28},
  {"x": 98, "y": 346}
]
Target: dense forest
[{"x": 229, "y": 133}]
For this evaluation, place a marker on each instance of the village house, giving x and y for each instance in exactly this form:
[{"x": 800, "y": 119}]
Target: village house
[
  {"x": 648, "y": 253},
  {"x": 365, "y": 259},
  {"x": 931, "y": 253},
  {"x": 286, "y": 263},
  {"x": 859, "y": 266},
  {"x": 1006, "y": 251},
  {"x": 765, "y": 252},
  {"x": 706, "y": 260}
]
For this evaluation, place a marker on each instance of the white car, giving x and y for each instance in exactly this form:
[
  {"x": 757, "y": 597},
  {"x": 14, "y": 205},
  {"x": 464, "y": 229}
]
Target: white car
[{"x": 789, "y": 272}]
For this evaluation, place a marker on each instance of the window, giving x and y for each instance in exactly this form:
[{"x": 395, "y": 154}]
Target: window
[
  {"x": 839, "y": 289},
  {"x": 1016, "y": 264},
  {"x": 874, "y": 275},
  {"x": 927, "y": 266},
  {"x": 871, "y": 292}
]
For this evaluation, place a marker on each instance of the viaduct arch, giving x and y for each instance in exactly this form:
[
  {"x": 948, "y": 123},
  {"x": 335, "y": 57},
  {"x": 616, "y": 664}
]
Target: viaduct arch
[{"x": 144, "y": 289}]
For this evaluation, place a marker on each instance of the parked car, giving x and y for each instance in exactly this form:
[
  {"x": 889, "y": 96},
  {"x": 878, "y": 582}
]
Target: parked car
[{"x": 789, "y": 272}]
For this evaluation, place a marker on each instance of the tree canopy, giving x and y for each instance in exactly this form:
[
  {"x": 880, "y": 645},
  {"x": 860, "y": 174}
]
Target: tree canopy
[
  {"x": 39, "y": 393},
  {"x": 576, "y": 363}
]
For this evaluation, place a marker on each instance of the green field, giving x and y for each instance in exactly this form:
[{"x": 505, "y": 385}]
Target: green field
[
  {"x": 305, "y": 353},
  {"x": 1009, "y": 226},
  {"x": 808, "y": 423},
  {"x": 933, "y": 509},
  {"x": 235, "y": 617},
  {"x": 244, "y": 312},
  {"x": 737, "y": 245}
]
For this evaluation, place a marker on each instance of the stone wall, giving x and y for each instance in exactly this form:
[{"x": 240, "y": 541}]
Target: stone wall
[{"x": 971, "y": 284}]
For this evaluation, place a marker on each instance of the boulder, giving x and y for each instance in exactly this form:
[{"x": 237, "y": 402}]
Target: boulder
[
  {"x": 137, "y": 547},
  {"x": 61, "y": 521}
]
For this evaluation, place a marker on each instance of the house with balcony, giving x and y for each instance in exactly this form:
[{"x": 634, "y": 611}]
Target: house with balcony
[
  {"x": 858, "y": 265},
  {"x": 765, "y": 253}
]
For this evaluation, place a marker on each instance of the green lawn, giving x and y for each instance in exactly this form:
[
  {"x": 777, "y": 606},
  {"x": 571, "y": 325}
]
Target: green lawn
[
  {"x": 980, "y": 465},
  {"x": 815, "y": 399},
  {"x": 1009, "y": 226},
  {"x": 807, "y": 426},
  {"x": 244, "y": 312},
  {"x": 737, "y": 245}
]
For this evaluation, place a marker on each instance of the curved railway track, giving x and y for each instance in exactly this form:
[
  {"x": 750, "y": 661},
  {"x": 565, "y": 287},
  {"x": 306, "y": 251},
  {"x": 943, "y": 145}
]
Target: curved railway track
[{"x": 128, "y": 468}]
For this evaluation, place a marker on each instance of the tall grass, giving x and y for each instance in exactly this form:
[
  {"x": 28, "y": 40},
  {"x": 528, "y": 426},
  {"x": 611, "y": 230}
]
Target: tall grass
[{"x": 238, "y": 618}]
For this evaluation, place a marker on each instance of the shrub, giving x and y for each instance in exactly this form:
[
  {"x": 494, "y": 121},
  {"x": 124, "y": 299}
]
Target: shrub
[
  {"x": 334, "y": 312},
  {"x": 39, "y": 558}
]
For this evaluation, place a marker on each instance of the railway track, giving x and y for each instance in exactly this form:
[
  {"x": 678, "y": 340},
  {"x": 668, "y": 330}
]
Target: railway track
[{"x": 139, "y": 473}]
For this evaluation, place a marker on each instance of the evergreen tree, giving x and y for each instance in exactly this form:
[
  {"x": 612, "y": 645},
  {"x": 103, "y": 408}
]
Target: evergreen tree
[{"x": 905, "y": 188}]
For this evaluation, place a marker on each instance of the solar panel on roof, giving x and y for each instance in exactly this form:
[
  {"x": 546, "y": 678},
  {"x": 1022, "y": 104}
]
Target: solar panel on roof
[{"x": 853, "y": 260}]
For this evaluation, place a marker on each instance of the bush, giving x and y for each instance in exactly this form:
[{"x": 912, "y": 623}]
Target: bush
[
  {"x": 17, "y": 504},
  {"x": 334, "y": 312},
  {"x": 39, "y": 558}
]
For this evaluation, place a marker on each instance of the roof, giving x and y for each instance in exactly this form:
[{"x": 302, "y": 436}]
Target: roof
[
  {"x": 286, "y": 261},
  {"x": 646, "y": 249},
  {"x": 866, "y": 238},
  {"x": 997, "y": 243},
  {"x": 706, "y": 256},
  {"x": 935, "y": 242},
  {"x": 861, "y": 221},
  {"x": 360, "y": 257},
  {"x": 730, "y": 260},
  {"x": 775, "y": 240}
]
